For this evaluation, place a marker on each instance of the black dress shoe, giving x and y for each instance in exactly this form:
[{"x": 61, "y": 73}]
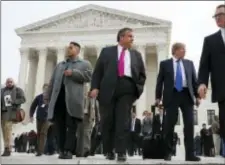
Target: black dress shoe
[
  {"x": 6, "y": 152},
  {"x": 78, "y": 155},
  {"x": 38, "y": 154},
  {"x": 86, "y": 154},
  {"x": 92, "y": 154},
  {"x": 193, "y": 159},
  {"x": 110, "y": 156},
  {"x": 67, "y": 155},
  {"x": 121, "y": 157},
  {"x": 61, "y": 154},
  {"x": 168, "y": 157}
]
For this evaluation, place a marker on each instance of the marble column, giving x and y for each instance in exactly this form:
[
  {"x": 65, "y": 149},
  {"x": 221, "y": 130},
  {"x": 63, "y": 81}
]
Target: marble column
[
  {"x": 61, "y": 54},
  {"x": 24, "y": 53},
  {"x": 141, "y": 102},
  {"x": 40, "y": 76},
  {"x": 162, "y": 53},
  {"x": 30, "y": 87},
  {"x": 31, "y": 77}
]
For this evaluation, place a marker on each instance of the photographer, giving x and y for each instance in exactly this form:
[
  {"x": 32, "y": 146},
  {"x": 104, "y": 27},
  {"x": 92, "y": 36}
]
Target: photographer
[{"x": 11, "y": 99}]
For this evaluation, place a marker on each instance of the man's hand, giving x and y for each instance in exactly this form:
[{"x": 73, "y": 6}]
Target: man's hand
[
  {"x": 68, "y": 72},
  {"x": 157, "y": 102},
  {"x": 94, "y": 93},
  {"x": 198, "y": 102},
  {"x": 31, "y": 119},
  {"x": 202, "y": 90}
]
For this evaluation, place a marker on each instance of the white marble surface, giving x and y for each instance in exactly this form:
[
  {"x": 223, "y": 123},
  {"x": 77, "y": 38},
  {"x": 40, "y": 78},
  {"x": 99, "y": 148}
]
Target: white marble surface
[{"x": 17, "y": 158}]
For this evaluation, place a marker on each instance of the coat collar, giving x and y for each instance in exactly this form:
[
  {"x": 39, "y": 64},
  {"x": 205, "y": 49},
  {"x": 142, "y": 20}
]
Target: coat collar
[{"x": 76, "y": 59}]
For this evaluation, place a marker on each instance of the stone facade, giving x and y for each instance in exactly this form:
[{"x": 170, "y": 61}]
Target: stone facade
[{"x": 43, "y": 45}]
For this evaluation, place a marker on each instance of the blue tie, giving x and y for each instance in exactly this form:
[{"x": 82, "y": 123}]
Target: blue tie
[{"x": 178, "y": 80}]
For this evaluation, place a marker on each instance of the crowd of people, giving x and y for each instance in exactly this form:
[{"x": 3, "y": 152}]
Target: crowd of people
[
  {"x": 79, "y": 97},
  {"x": 28, "y": 141},
  {"x": 208, "y": 141}
]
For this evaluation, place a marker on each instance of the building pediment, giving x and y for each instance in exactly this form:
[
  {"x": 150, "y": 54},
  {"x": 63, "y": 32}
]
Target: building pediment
[{"x": 91, "y": 16}]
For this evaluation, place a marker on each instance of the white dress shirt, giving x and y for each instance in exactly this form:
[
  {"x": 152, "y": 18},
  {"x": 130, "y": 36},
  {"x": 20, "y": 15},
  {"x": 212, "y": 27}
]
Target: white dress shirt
[
  {"x": 223, "y": 34},
  {"x": 161, "y": 121},
  {"x": 182, "y": 71},
  {"x": 127, "y": 63},
  {"x": 133, "y": 124}
]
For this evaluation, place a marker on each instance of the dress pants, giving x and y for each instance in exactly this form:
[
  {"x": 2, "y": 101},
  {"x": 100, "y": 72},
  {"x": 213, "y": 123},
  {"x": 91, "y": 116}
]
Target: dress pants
[
  {"x": 7, "y": 133},
  {"x": 115, "y": 117},
  {"x": 84, "y": 135},
  {"x": 42, "y": 130},
  {"x": 134, "y": 143},
  {"x": 50, "y": 145},
  {"x": 183, "y": 101},
  {"x": 222, "y": 119},
  {"x": 66, "y": 125}
]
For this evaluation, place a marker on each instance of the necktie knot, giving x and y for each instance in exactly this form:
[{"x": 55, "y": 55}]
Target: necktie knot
[{"x": 178, "y": 61}]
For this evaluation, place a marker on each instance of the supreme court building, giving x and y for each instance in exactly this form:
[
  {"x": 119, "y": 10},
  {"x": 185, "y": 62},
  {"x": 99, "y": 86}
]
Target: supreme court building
[{"x": 43, "y": 45}]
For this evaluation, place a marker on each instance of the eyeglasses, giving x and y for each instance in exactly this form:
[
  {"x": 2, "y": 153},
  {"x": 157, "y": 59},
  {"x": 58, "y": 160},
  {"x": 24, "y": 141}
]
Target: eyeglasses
[{"x": 218, "y": 15}]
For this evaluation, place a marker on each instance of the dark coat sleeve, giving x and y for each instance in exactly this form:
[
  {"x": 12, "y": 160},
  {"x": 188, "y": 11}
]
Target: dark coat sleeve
[
  {"x": 33, "y": 106},
  {"x": 142, "y": 73},
  {"x": 204, "y": 66},
  {"x": 98, "y": 72},
  {"x": 194, "y": 80},
  {"x": 159, "y": 82}
]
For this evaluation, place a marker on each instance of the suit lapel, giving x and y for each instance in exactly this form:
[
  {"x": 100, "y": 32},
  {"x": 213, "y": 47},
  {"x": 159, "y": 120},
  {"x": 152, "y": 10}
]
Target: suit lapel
[
  {"x": 133, "y": 61},
  {"x": 171, "y": 67},
  {"x": 186, "y": 67},
  {"x": 115, "y": 57},
  {"x": 132, "y": 57},
  {"x": 220, "y": 40}
]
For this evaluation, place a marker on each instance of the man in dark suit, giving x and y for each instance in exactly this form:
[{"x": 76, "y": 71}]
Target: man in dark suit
[
  {"x": 135, "y": 130},
  {"x": 213, "y": 63},
  {"x": 177, "y": 85},
  {"x": 203, "y": 133},
  {"x": 118, "y": 80}
]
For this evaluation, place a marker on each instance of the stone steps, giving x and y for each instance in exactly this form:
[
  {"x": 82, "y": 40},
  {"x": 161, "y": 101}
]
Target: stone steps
[{"x": 18, "y": 158}]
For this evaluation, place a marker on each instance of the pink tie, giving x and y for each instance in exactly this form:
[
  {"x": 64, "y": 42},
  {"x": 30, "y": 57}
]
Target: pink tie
[{"x": 121, "y": 63}]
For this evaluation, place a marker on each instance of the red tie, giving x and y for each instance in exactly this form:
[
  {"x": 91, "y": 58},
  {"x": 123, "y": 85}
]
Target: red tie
[{"x": 121, "y": 63}]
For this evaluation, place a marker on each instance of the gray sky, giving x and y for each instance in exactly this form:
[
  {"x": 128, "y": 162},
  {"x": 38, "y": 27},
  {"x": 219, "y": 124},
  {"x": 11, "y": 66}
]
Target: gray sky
[{"x": 192, "y": 21}]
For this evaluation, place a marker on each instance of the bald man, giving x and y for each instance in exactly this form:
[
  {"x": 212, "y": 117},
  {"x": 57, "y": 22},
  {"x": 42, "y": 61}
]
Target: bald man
[{"x": 11, "y": 99}]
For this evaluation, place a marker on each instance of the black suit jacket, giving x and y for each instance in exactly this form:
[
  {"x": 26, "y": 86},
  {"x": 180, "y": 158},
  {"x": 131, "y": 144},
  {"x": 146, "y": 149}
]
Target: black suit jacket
[
  {"x": 212, "y": 63},
  {"x": 157, "y": 125},
  {"x": 137, "y": 127},
  {"x": 165, "y": 80},
  {"x": 105, "y": 74}
]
